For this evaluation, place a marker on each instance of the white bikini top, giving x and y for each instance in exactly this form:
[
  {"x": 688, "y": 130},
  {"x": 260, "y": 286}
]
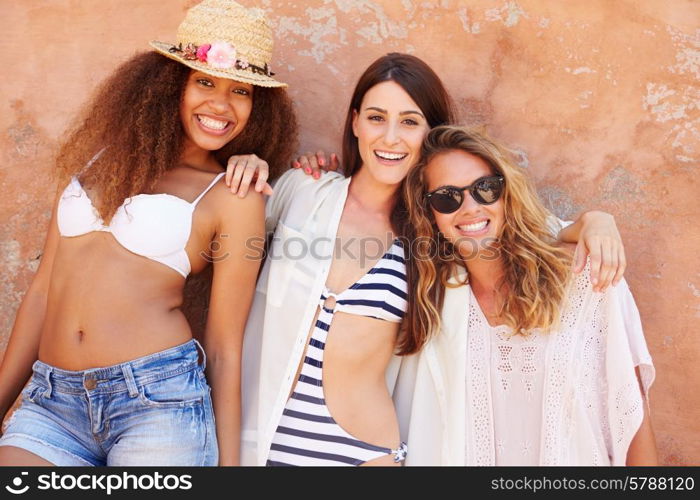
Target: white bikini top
[{"x": 155, "y": 226}]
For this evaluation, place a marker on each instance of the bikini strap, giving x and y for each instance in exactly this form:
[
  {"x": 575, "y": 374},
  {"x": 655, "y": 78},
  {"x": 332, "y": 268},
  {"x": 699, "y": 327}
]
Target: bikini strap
[
  {"x": 90, "y": 162},
  {"x": 216, "y": 179}
]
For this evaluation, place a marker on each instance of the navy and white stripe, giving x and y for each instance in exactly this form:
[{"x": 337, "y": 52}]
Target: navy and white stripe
[
  {"x": 381, "y": 293},
  {"x": 307, "y": 434}
]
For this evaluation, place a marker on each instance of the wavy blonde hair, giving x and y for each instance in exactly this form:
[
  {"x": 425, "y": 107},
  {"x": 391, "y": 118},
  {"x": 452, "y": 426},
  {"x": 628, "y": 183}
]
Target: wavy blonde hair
[{"x": 536, "y": 272}]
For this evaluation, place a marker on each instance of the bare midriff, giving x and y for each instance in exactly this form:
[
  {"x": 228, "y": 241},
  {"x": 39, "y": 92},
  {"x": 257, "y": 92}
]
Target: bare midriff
[
  {"x": 107, "y": 305},
  {"x": 356, "y": 355}
]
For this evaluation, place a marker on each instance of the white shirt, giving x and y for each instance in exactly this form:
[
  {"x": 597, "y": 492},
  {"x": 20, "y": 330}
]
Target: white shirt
[
  {"x": 517, "y": 385},
  {"x": 304, "y": 214},
  {"x": 591, "y": 403}
]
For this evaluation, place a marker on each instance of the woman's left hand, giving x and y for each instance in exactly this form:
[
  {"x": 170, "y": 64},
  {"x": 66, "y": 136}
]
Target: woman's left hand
[
  {"x": 242, "y": 170},
  {"x": 600, "y": 238},
  {"x": 314, "y": 164}
]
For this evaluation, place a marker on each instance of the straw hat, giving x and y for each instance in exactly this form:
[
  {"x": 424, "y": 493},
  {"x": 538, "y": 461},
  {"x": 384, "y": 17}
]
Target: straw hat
[{"x": 222, "y": 38}]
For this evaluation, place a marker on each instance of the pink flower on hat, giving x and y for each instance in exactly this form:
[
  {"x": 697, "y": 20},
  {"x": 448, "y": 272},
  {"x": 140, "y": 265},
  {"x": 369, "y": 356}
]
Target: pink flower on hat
[
  {"x": 202, "y": 52},
  {"x": 221, "y": 55}
]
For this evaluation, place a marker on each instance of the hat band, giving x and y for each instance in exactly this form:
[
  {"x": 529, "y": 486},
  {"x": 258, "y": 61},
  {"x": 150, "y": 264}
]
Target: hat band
[{"x": 219, "y": 55}]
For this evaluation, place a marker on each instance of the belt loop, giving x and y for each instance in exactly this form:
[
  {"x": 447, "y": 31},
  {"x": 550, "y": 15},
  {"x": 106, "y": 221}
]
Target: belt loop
[
  {"x": 47, "y": 376},
  {"x": 130, "y": 381},
  {"x": 204, "y": 354}
]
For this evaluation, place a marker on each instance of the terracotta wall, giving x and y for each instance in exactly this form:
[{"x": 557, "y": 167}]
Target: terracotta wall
[{"x": 600, "y": 97}]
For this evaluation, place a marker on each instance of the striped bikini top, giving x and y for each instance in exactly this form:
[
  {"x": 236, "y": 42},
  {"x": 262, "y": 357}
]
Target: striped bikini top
[{"x": 381, "y": 293}]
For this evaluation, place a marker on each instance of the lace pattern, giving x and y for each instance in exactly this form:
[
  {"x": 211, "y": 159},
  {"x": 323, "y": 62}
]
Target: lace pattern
[
  {"x": 558, "y": 424},
  {"x": 478, "y": 395},
  {"x": 582, "y": 421}
]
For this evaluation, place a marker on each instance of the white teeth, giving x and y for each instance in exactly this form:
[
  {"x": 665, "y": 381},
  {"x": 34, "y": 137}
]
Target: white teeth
[
  {"x": 477, "y": 226},
  {"x": 390, "y": 156},
  {"x": 211, "y": 123}
]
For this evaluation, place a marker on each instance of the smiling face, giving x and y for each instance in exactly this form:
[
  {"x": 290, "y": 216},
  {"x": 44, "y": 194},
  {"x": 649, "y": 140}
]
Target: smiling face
[
  {"x": 390, "y": 128},
  {"x": 214, "y": 110},
  {"x": 473, "y": 225}
]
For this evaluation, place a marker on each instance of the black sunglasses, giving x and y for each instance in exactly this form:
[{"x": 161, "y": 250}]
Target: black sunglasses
[{"x": 485, "y": 191}]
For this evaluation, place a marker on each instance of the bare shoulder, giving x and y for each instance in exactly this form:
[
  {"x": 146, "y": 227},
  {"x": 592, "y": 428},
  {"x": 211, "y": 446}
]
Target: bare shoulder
[
  {"x": 232, "y": 206},
  {"x": 221, "y": 195}
]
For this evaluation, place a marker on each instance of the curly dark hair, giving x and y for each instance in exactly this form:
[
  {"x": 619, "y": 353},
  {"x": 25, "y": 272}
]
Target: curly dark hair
[{"x": 135, "y": 113}]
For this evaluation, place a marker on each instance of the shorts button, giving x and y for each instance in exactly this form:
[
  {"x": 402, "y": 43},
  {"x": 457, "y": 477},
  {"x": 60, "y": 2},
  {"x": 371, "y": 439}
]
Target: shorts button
[{"x": 89, "y": 383}]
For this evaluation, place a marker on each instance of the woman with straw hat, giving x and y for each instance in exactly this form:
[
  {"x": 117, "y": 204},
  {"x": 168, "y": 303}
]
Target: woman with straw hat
[{"x": 117, "y": 377}]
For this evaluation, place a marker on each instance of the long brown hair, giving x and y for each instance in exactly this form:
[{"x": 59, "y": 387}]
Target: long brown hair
[
  {"x": 135, "y": 115},
  {"x": 536, "y": 271},
  {"x": 427, "y": 90}
]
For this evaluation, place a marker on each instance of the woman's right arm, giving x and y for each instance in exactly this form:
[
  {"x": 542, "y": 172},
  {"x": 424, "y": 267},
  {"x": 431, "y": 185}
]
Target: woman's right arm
[{"x": 23, "y": 347}]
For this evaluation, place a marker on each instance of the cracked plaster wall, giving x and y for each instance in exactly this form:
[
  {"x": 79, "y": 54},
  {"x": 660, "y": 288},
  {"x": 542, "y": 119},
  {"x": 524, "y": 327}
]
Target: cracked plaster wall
[{"x": 600, "y": 99}]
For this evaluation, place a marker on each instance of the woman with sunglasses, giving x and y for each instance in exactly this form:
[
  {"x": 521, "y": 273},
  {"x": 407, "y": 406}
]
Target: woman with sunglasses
[
  {"x": 325, "y": 323},
  {"x": 526, "y": 364}
]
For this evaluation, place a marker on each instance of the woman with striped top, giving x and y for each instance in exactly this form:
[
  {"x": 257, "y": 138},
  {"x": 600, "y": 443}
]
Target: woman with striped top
[{"x": 323, "y": 330}]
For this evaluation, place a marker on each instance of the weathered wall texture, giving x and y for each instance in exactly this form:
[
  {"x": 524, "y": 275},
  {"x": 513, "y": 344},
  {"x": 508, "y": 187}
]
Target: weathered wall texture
[{"x": 601, "y": 98}]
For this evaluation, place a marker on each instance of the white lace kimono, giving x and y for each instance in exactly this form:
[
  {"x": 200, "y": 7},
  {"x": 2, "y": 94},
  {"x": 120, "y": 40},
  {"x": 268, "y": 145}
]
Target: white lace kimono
[{"x": 582, "y": 377}]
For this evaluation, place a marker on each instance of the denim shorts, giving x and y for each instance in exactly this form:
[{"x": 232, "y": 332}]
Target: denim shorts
[{"x": 151, "y": 411}]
